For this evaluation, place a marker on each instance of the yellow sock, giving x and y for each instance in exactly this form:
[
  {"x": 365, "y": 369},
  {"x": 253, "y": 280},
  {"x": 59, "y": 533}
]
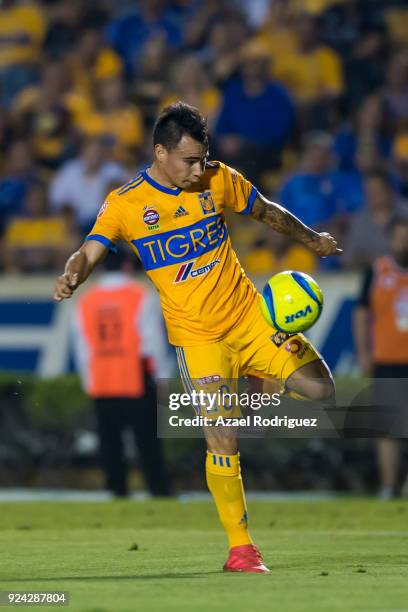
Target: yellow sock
[{"x": 225, "y": 483}]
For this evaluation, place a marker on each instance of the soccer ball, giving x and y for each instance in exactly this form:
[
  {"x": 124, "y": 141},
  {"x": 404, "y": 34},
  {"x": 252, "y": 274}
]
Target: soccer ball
[{"x": 291, "y": 301}]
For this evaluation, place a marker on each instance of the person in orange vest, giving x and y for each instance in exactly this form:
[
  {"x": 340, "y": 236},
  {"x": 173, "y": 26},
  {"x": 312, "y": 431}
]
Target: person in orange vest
[
  {"x": 381, "y": 336},
  {"x": 119, "y": 342}
]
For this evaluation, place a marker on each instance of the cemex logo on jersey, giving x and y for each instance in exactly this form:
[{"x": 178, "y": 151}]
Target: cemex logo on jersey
[
  {"x": 207, "y": 202},
  {"x": 186, "y": 270}
]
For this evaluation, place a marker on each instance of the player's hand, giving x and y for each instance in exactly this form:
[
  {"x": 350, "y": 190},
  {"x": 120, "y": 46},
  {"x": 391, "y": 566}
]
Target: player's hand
[
  {"x": 65, "y": 286},
  {"x": 69, "y": 281},
  {"x": 324, "y": 244}
]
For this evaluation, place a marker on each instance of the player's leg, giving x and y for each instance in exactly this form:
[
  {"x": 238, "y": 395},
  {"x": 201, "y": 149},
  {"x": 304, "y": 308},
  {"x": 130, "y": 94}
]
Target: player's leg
[
  {"x": 312, "y": 381},
  {"x": 292, "y": 360},
  {"x": 216, "y": 366}
]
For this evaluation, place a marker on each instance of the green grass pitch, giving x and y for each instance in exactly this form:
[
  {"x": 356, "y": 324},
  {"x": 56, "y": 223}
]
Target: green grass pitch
[{"x": 337, "y": 555}]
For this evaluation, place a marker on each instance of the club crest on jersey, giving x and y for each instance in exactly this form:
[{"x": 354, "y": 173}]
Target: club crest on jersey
[
  {"x": 151, "y": 218},
  {"x": 186, "y": 270},
  {"x": 207, "y": 202},
  {"x": 279, "y": 338}
]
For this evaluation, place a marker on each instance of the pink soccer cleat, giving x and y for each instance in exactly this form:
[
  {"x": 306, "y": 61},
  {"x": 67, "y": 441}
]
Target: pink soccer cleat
[{"x": 245, "y": 558}]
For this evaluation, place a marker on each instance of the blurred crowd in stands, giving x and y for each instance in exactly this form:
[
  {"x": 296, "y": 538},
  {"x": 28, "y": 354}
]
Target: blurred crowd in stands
[{"x": 308, "y": 98}]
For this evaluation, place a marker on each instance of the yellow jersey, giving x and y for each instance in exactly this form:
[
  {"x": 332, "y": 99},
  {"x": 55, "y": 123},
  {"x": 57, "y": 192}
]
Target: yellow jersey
[
  {"x": 22, "y": 31},
  {"x": 182, "y": 240}
]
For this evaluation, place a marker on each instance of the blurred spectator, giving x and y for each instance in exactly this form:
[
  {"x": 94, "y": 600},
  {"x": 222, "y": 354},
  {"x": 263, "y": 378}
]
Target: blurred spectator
[
  {"x": 35, "y": 241},
  {"x": 381, "y": 337},
  {"x": 92, "y": 59},
  {"x": 367, "y": 239},
  {"x": 189, "y": 82},
  {"x": 342, "y": 24},
  {"x": 400, "y": 157},
  {"x": 201, "y": 19},
  {"x": 358, "y": 35},
  {"x": 394, "y": 95},
  {"x": 220, "y": 56},
  {"x": 361, "y": 145},
  {"x": 115, "y": 119},
  {"x": 132, "y": 30},
  {"x": 277, "y": 252},
  {"x": 151, "y": 75},
  {"x": 18, "y": 173},
  {"x": 396, "y": 18},
  {"x": 349, "y": 187},
  {"x": 21, "y": 36},
  {"x": 313, "y": 73},
  {"x": 309, "y": 193},
  {"x": 120, "y": 341},
  {"x": 63, "y": 28},
  {"x": 257, "y": 118},
  {"x": 365, "y": 129},
  {"x": 81, "y": 184},
  {"x": 41, "y": 114},
  {"x": 279, "y": 36}
]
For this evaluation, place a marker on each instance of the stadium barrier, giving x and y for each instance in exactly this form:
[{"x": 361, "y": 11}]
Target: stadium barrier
[{"x": 35, "y": 332}]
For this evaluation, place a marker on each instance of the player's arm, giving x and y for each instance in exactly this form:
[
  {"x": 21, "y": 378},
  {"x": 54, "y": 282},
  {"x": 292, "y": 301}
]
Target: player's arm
[
  {"x": 362, "y": 325},
  {"x": 282, "y": 221},
  {"x": 78, "y": 267}
]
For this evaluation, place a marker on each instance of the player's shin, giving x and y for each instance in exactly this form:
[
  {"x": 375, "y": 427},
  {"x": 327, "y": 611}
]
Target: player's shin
[{"x": 225, "y": 484}]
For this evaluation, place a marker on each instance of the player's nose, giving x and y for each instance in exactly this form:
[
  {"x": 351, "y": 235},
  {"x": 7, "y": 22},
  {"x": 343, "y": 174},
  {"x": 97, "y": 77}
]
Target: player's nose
[{"x": 197, "y": 169}]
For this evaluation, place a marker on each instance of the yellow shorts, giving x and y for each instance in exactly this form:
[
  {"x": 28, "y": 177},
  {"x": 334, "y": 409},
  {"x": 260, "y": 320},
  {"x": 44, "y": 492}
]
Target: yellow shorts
[{"x": 252, "y": 348}]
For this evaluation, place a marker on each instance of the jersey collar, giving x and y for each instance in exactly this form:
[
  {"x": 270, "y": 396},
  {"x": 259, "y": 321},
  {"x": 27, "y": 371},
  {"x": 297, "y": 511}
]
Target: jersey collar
[{"x": 156, "y": 185}]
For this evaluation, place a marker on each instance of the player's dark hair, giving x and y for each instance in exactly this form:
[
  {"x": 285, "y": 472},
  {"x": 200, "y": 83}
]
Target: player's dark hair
[{"x": 176, "y": 120}]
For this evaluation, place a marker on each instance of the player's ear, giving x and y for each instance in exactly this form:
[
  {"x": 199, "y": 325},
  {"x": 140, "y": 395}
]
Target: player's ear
[{"x": 160, "y": 152}]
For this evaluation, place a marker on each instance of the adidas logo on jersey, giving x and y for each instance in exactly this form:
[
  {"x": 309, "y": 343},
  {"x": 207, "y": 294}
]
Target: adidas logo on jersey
[{"x": 180, "y": 212}]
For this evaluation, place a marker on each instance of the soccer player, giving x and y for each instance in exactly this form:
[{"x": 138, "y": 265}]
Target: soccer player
[{"x": 172, "y": 216}]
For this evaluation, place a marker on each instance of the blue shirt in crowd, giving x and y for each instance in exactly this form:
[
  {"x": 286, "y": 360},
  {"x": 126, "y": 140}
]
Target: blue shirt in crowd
[
  {"x": 266, "y": 119},
  {"x": 310, "y": 197},
  {"x": 12, "y": 194},
  {"x": 349, "y": 189},
  {"x": 130, "y": 32}
]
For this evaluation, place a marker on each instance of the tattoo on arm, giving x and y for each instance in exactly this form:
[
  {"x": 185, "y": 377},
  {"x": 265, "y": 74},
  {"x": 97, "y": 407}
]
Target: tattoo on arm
[{"x": 282, "y": 221}]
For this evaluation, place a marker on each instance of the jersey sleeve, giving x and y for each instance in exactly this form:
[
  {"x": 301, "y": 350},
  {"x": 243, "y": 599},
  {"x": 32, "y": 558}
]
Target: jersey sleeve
[
  {"x": 108, "y": 225},
  {"x": 239, "y": 194}
]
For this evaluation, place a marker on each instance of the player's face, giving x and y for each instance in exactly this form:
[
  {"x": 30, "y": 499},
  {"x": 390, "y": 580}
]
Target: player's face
[{"x": 184, "y": 164}]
